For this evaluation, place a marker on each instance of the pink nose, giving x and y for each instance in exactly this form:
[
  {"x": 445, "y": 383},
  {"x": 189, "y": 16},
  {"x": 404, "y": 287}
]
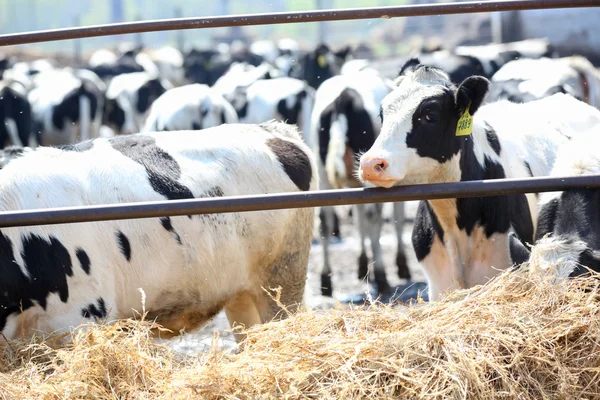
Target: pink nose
[{"x": 372, "y": 169}]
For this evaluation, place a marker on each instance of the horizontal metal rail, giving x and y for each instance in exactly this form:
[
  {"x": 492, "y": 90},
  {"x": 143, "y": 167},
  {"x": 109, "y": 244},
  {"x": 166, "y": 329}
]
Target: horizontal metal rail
[
  {"x": 279, "y": 201},
  {"x": 288, "y": 17}
]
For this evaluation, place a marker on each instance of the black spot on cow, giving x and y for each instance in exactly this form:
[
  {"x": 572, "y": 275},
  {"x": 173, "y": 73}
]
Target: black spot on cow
[
  {"x": 113, "y": 114},
  {"x": 518, "y": 251},
  {"x": 361, "y": 133},
  {"x": 291, "y": 115},
  {"x": 124, "y": 245},
  {"x": 14, "y": 285},
  {"x": 492, "y": 138},
  {"x": 166, "y": 223},
  {"x": 162, "y": 169},
  {"x": 496, "y": 214},
  {"x": 214, "y": 192},
  {"x": 67, "y": 111},
  {"x": 426, "y": 226},
  {"x": 528, "y": 168},
  {"x": 78, "y": 147},
  {"x": 49, "y": 264},
  {"x": 84, "y": 260},
  {"x": 148, "y": 93},
  {"x": 325, "y": 131},
  {"x": 295, "y": 162},
  {"x": 15, "y": 106},
  {"x": 430, "y": 135},
  {"x": 95, "y": 310}
]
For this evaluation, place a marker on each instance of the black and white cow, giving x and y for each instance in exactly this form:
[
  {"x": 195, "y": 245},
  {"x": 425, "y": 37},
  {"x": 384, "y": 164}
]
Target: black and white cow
[
  {"x": 64, "y": 107},
  {"x": 465, "y": 242},
  {"x": 196, "y": 106},
  {"x": 189, "y": 267},
  {"x": 284, "y": 99},
  {"x": 128, "y": 100},
  {"x": 525, "y": 80},
  {"x": 569, "y": 221},
  {"x": 345, "y": 124},
  {"x": 15, "y": 115}
]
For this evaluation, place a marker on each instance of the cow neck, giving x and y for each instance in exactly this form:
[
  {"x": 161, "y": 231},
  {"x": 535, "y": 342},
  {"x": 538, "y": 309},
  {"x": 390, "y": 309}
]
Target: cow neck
[{"x": 467, "y": 164}]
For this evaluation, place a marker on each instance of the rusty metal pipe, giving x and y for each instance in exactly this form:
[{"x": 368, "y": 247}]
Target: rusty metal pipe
[
  {"x": 288, "y": 17},
  {"x": 278, "y": 201}
]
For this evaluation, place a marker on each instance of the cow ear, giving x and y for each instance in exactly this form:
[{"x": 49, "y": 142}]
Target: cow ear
[
  {"x": 471, "y": 91},
  {"x": 408, "y": 66}
]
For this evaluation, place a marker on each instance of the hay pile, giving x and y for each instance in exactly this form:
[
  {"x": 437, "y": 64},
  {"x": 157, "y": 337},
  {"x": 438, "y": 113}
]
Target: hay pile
[{"x": 520, "y": 336}]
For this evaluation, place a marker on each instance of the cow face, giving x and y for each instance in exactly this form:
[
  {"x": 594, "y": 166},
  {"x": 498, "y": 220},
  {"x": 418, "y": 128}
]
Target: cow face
[{"x": 419, "y": 127}]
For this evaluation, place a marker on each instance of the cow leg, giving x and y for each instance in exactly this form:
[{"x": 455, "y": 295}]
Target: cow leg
[
  {"x": 326, "y": 228},
  {"x": 363, "y": 259},
  {"x": 336, "y": 226},
  {"x": 374, "y": 222},
  {"x": 403, "y": 271},
  {"x": 242, "y": 310}
]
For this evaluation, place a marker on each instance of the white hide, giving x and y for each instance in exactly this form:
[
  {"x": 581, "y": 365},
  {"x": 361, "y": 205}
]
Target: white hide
[
  {"x": 219, "y": 256},
  {"x": 169, "y": 62},
  {"x": 181, "y": 107},
  {"x": 102, "y": 57}
]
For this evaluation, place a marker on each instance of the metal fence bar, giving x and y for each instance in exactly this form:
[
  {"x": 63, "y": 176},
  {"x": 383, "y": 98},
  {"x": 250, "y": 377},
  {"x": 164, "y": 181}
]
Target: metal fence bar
[
  {"x": 289, "y": 17},
  {"x": 294, "y": 200}
]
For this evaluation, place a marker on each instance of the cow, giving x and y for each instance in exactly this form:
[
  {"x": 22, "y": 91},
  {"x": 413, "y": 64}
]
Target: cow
[
  {"x": 345, "y": 124},
  {"x": 189, "y": 107},
  {"x": 494, "y": 55},
  {"x": 128, "y": 100},
  {"x": 434, "y": 131},
  {"x": 522, "y": 80},
  {"x": 15, "y": 115},
  {"x": 169, "y": 62},
  {"x": 320, "y": 64},
  {"x": 569, "y": 221},
  {"x": 205, "y": 66},
  {"x": 64, "y": 107},
  {"x": 285, "y": 99},
  {"x": 188, "y": 267}
]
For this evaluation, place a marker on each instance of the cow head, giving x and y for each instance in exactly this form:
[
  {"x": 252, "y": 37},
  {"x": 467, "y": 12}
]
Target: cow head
[
  {"x": 320, "y": 65},
  {"x": 418, "y": 138},
  {"x": 351, "y": 133}
]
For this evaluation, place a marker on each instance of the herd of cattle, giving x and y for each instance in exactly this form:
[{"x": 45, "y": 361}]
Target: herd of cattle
[{"x": 140, "y": 125}]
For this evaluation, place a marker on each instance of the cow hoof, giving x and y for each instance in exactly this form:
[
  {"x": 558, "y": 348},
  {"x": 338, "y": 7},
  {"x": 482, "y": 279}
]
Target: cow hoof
[
  {"x": 383, "y": 287},
  {"x": 403, "y": 271},
  {"x": 326, "y": 288},
  {"x": 363, "y": 267}
]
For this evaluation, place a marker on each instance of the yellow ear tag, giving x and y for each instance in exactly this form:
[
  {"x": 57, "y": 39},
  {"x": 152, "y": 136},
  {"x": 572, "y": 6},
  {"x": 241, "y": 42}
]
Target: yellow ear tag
[
  {"x": 465, "y": 123},
  {"x": 322, "y": 61}
]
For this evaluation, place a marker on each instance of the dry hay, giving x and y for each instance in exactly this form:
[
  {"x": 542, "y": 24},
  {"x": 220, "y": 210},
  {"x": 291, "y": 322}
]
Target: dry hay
[{"x": 524, "y": 335}]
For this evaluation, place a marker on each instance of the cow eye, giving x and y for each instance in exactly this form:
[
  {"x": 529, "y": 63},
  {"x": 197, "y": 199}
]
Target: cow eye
[{"x": 429, "y": 115}]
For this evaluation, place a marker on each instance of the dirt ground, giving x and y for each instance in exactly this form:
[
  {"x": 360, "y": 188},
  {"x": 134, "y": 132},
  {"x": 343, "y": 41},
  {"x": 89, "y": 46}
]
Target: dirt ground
[{"x": 344, "y": 260}]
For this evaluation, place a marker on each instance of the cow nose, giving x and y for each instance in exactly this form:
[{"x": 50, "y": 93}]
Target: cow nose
[{"x": 372, "y": 168}]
